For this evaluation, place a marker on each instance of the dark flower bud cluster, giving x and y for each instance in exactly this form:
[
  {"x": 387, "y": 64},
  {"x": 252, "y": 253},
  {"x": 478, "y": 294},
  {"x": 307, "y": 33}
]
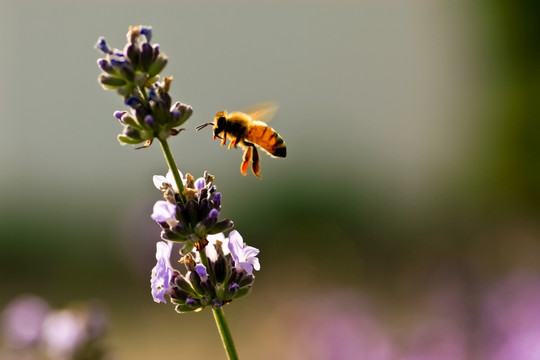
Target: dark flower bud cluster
[
  {"x": 189, "y": 222},
  {"x": 134, "y": 74},
  {"x": 227, "y": 276}
]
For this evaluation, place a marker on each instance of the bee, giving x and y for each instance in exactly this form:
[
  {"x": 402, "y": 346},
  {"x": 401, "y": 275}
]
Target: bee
[{"x": 249, "y": 129}]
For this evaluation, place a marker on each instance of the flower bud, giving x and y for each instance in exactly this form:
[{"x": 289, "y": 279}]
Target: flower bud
[
  {"x": 106, "y": 66},
  {"x": 131, "y": 52},
  {"x": 110, "y": 81},
  {"x": 147, "y": 56},
  {"x": 231, "y": 291},
  {"x": 158, "y": 65},
  {"x": 221, "y": 226},
  {"x": 150, "y": 122},
  {"x": 171, "y": 235},
  {"x": 195, "y": 281}
]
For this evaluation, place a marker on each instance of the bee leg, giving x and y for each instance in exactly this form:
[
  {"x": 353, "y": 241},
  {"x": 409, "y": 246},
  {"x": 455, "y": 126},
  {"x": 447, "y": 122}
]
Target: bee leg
[
  {"x": 255, "y": 164},
  {"x": 233, "y": 142},
  {"x": 224, "y": 139},
  {"x": 247, "y": 159}
]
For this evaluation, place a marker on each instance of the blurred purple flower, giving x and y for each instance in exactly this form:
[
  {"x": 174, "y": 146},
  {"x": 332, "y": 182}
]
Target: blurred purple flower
[
  {"x": 22, "y": 321},
  {"x": 441, "y": 329},
  {"x": 63, "y": 332},
  {"x": 244, "y": 256},
  {"x": 331, "y": 326},
  {"x": 511, "y": 318},
  {"x": 161, "y": 273}
]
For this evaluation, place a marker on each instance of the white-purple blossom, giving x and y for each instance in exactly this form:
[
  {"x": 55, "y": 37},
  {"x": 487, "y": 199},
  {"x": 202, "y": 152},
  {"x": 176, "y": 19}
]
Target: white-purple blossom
[
  {"x": 210, "y": 249},
  {"x": 164, "y": 211},
  {"x": 159, "y": 180},
  {"x": 162, "y": 273},
  {"x": 244, "y": 256}
]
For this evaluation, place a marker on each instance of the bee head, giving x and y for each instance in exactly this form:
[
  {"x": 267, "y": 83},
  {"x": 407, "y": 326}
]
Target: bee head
[{"x": 220, "y": 122}]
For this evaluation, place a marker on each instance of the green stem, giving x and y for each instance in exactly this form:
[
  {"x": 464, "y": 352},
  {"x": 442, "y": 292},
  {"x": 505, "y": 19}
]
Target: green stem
[
  {"x": 173, "y": 167},
  {"x": 221, "y": 322},
  {"x": 225, "y": 333}
]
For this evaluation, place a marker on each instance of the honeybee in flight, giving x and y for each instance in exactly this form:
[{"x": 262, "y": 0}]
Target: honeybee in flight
[{"x": 247, "y": 130}]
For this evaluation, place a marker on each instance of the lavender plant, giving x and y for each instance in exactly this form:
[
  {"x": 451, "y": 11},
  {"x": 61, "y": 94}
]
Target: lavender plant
[{"x": 218, "y": 268}]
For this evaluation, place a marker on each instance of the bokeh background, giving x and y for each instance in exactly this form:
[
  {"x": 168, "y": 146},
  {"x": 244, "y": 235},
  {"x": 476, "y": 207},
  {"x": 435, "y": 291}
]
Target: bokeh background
[{"x": 402, "y": 225}]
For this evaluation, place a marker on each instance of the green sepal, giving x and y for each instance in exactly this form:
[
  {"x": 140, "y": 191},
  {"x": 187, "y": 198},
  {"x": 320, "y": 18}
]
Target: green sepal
[
  {"x": 229, "y": 295},
  {"x": 220, "y": 291},
  {"x": 173, "y": 236},
  {"x": 127, "y": 140},
  {"x": 183, "y": 284},
  {"x": 195, "y": 281},
  {"x": 184, "y": 308},
  {"x": 246, "y": 280},
  {"x": 188, "y": 246},
  {"x": 129, "y": 120},
  {"x": 111, "y": 82},
  {"x": 221, "y": 226},
  {"x": 200, "y": 229},
  {"x": 243, "y": 292},
  {"x": 157, "y": 66}
]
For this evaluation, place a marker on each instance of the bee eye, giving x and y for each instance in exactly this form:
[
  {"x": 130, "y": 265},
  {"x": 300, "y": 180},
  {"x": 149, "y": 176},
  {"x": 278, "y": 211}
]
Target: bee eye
[{"x": 221, "y": 122}]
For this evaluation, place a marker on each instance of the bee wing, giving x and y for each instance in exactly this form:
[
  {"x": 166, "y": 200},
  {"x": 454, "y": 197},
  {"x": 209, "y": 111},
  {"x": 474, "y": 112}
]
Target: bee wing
[{"x": 263, "y": 112}]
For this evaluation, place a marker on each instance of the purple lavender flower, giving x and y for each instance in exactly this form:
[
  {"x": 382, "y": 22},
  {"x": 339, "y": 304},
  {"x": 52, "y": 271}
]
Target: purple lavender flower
[
  {"x": 244, "y": 256},
  {"x": 162, "y": 273},
  {"x": 134, "y": 74}
]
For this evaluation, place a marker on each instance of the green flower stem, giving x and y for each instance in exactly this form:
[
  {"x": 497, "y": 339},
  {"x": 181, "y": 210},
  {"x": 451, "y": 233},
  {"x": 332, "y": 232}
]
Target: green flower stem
[
  {"x": 221, "y": 322},
  {"x": 173, "y": 167},
  {"x": 225, "y": 333}
]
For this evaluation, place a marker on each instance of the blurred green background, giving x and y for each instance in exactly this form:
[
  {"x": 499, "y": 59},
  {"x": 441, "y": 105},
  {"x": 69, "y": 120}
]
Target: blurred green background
[{"x": 412, "y": 174}]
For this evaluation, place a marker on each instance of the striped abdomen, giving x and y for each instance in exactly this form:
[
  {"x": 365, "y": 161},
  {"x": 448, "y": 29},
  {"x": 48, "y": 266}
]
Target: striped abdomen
[{"x": 267, "y": 138}]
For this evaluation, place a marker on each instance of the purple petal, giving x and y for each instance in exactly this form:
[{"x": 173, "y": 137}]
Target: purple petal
[
  {"x": 163, "y": 211},
  {"x": 162, "y": 273},
  {"x": 235, "y": 245},
  {"x": 201, "y": 270},
  {"x": 199, "y": 184}
]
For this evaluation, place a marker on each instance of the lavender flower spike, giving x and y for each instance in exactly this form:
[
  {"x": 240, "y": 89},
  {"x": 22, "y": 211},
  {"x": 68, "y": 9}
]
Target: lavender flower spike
[
  {"x": 244, "y": 256},
  {"x": 162, "y": 273}
]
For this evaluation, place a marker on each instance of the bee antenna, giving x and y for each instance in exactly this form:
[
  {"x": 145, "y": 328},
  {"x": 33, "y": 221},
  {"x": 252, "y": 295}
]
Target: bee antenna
[{"x": 203, "y": 126}]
